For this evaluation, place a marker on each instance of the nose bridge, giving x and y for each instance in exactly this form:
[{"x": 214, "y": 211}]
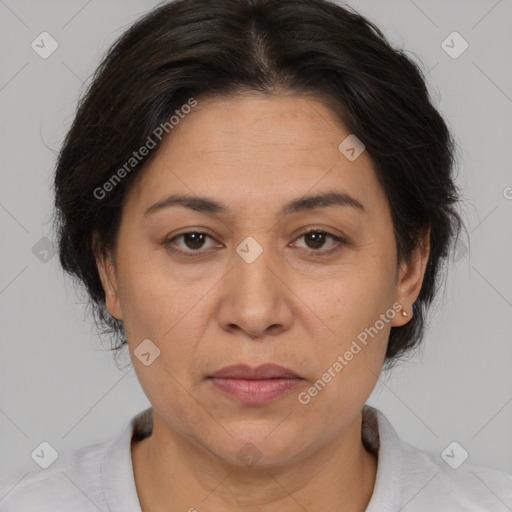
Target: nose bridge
[
  {"x": 254, "y": 278},
  {"x": 256, "y": 275},
  {"x": 255, "y": 299}
]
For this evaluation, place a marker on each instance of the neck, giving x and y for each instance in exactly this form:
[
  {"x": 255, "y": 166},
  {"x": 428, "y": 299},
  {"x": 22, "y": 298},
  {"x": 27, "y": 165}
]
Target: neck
[{"x": 173, "y": 472}]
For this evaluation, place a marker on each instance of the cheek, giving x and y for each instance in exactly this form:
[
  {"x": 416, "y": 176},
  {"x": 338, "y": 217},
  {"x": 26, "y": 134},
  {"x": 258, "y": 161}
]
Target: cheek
[
  {"x": 155, "y": 306},
  {"x": 173, "y": 318},
  {"x": 356, "y": 309},
  {"x": 351, "y": 356},
  {"x": 355, "y": 297}
]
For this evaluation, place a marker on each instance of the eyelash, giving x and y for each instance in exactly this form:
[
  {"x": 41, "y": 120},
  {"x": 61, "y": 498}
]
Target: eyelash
[{"x": 312, "y": 252}]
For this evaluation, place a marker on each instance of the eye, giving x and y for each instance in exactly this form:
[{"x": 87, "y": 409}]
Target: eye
[
  {"x": 316, "y": 239},
  {"x": 191, "y": 242}
]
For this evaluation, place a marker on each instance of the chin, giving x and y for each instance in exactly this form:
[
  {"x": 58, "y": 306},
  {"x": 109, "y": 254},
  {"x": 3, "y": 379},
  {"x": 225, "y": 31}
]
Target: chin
[{"x": 265, "y": 449}]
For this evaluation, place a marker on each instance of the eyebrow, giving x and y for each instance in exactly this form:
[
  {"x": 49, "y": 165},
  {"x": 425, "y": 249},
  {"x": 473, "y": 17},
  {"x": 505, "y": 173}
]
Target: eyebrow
[{"x": 301, "y": 204}]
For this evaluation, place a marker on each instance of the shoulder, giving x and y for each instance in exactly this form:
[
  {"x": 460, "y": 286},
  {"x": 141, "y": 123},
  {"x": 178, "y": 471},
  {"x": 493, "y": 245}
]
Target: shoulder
[
  {"x": 447, "y": 479},
  {"x": 95, "y": 477},
  {"x": 410, "y": 479},
  {"x": 72, "y": 481}
]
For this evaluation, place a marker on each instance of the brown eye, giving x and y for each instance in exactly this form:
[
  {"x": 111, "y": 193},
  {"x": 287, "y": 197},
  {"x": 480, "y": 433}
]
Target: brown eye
[
  {"x": 315, "y": 241},
  {"x": 194, "y": 240},
  {"x": 189, "y": 243}
]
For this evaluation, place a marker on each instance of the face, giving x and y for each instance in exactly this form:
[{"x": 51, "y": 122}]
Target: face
[{"x": 255, "y": 275}]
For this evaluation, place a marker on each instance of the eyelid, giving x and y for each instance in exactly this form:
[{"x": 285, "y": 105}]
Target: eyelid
[
  {"x": 167, "y": 243},
  {"x": 319, "y": 252},
  {"x": 317, "y": 229}
]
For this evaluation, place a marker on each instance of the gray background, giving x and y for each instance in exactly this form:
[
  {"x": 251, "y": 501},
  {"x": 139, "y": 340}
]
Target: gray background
[{"x": 60, "y": 386}]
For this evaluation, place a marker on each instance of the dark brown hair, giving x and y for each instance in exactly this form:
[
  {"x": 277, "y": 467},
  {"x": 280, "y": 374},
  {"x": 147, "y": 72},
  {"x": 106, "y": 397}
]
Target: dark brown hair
[{"x": 196, "y": 48}]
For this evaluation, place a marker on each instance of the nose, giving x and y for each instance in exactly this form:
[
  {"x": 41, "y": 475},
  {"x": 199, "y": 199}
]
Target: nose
[{"x": 256, "y": 298}]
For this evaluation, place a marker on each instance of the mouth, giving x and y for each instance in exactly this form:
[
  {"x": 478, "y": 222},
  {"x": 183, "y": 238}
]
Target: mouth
[{"x": 255, "y": 386}]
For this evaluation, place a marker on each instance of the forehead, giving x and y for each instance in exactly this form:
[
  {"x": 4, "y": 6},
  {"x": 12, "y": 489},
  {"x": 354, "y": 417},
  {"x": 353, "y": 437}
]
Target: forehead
[
  {"x": 256, "y": 147},
  {"x": 260, "y": 125}
]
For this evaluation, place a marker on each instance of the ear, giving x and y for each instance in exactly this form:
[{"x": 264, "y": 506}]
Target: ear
[
  {"x": 410, "y": 279},
  {"x": 107, "y": 272}
]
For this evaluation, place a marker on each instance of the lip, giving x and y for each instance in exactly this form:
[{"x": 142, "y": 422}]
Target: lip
[
  {"x": 255, "y": 386},
  {"x": 264, "y": 371}
]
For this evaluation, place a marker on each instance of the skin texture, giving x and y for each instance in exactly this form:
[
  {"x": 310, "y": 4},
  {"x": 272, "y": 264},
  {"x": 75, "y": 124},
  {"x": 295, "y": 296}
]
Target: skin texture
[{"x": 254, "y": 153}]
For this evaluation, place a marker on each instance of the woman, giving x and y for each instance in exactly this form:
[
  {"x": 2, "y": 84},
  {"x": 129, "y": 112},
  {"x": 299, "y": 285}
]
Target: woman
[{"x": 258, "y": 198}]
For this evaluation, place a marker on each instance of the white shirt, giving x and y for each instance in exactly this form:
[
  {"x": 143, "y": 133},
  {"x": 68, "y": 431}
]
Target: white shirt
[{"x": 100, "y": 477}]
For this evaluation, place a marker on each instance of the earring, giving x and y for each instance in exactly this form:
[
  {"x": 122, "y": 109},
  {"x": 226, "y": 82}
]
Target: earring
[{"x": 404, "y": 313}]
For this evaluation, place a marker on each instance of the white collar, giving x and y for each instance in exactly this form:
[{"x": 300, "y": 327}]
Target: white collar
[{"x": 377, "y": 433}]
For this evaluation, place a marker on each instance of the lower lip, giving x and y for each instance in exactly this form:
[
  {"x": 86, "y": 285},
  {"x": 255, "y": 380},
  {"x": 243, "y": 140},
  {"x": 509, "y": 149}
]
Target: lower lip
[{"x": 255, "y": 392}]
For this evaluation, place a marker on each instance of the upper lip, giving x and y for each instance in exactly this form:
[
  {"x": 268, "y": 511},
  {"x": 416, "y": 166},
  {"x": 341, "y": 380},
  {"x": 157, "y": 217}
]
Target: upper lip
[{"x": 264, "y": 371}]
